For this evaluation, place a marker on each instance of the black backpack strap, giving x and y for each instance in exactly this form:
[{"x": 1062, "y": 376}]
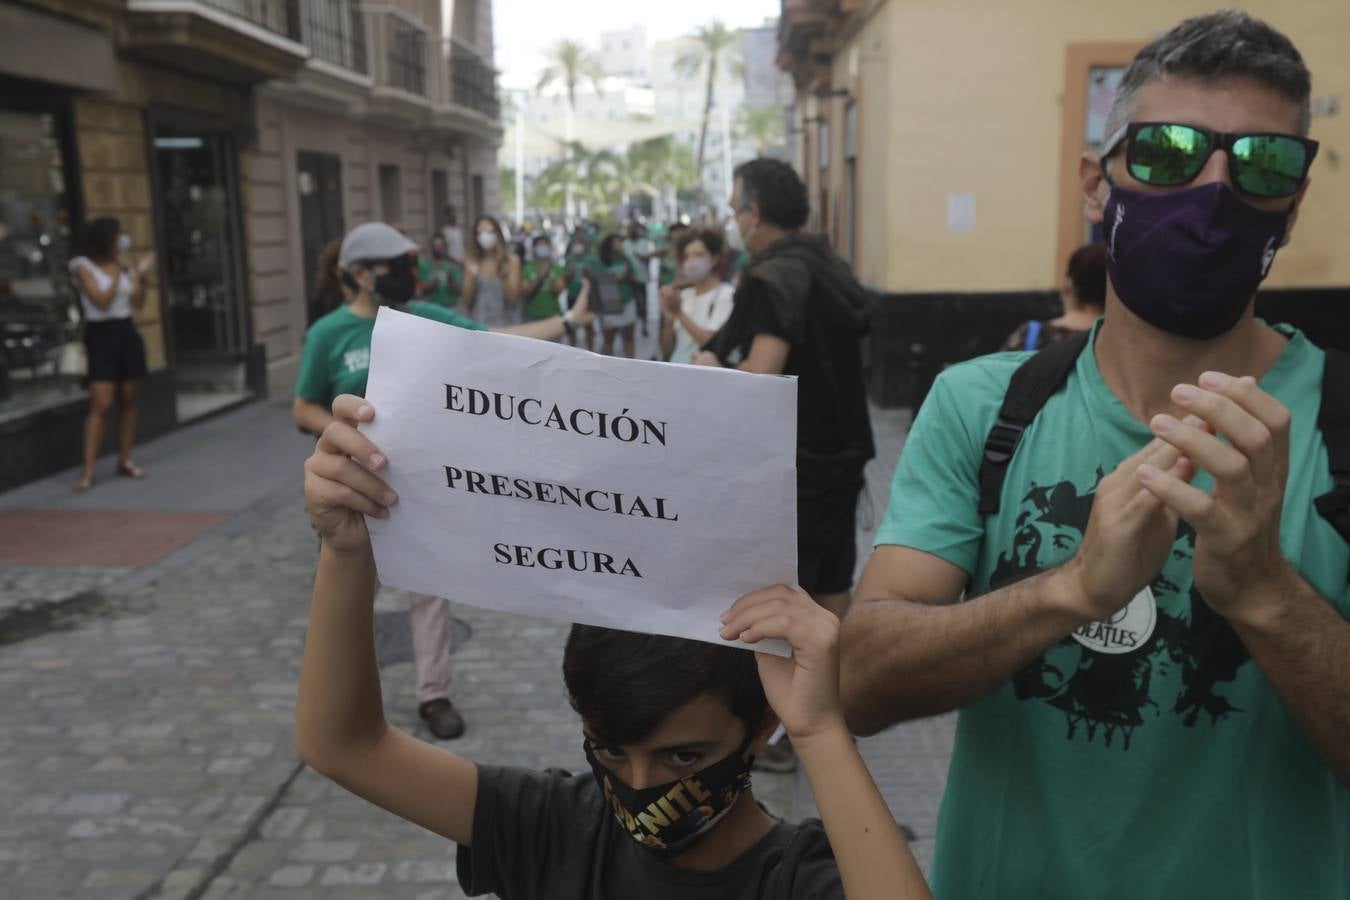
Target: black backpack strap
[
  {"x": 1034, "y": 382},
  {"x": 1333, "y": 420}
]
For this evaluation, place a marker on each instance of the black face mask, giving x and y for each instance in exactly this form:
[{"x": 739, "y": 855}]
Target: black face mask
[
  {"x": 666, "y": 819},
  {"x": 399, "y": 284}
]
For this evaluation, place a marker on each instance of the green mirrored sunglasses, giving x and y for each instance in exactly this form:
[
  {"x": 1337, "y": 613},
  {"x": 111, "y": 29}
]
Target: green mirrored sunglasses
[{"x": 1167, "y": 154}]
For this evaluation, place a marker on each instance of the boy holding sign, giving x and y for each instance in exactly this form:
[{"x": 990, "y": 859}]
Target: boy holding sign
[{"x": 670, "y": 727}]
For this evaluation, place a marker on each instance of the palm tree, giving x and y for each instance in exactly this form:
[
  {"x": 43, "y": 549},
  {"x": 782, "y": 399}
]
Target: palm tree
[
  {"x": 763, "y": 125},
  {"x": 602, "y": 178},
  {"x": 570, "y": 63},
  {"x": 597, "y": 177},
  {"x": 712, "y": 46},
  {"x": 661, "y": 165}
]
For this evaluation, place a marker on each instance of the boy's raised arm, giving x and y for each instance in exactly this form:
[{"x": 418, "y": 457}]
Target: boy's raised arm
[
  {"x": 874, "y": 860},
  {"x": 340, "y": 729}
]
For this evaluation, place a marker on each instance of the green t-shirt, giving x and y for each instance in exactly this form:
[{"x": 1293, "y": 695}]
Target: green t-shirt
[
  {"x": 667, "y": 272},
  {"x": 449, "y": 278},
  {"x": 622, "y": 270},
  {"x": 336, "y": 359},
  {"x": 577, "y": 267},
  {"x": 545, "y": 302},
  {"x": 1152, "y": 759}
]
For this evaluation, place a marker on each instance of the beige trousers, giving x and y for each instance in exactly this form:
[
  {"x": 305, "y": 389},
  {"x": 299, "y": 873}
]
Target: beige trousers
[{"x": 430, "y": 620}]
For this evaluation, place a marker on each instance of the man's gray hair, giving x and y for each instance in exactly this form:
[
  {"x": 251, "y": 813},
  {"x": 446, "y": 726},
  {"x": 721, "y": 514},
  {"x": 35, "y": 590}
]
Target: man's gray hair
[{"x": 1215, "y": 47}]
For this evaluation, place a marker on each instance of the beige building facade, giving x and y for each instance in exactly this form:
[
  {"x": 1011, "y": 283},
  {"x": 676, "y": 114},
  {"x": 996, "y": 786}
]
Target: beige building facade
[
  {"x": 233, "y": 138},
  {"x": 940, "y": 138},
  {"x": 389, "y": 134}
]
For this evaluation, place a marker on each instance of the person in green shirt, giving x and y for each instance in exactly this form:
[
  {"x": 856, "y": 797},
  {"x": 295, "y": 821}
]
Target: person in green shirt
[
  {"x": 376, "y": 269},
  {"x": 542, "y": 281},
  {"x": 1148, "y": 639},
  {"x": 336, "y": 356},
  {"x": 440, "y": 279}
]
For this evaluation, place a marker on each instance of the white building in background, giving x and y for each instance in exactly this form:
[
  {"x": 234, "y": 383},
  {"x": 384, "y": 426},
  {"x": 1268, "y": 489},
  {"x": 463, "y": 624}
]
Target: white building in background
[
  {"x": 681, "y": 98},
  {"x": 766, "y": 85},
  {"x": 624, "y": 53},
  {"x": 602, "y": 120},
  {"x": 644, "y": 94}
]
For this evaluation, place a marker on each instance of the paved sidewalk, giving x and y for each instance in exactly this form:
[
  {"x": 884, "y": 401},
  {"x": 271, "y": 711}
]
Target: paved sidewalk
[
  {"x": 203, "y": 479},
  {"x": 148, "y": 749}
]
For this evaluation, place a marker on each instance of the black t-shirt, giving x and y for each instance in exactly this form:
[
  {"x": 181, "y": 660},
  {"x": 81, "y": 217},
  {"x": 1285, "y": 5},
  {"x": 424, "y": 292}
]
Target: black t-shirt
[
  {"x": 549, "y": 835},
  {"x": 832, "y": 419},
  {"x": 834, "y": 427}
]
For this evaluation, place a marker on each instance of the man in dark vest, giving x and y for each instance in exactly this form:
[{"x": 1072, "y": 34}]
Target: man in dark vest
[{"x": 799, "y": 311}]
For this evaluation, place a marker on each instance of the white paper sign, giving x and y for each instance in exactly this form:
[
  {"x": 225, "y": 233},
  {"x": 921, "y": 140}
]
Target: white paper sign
[{"x": 545, "y": 480}]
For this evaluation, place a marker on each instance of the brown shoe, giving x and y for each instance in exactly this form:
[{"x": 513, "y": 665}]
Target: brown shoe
[{"x": 442, "y": 718}]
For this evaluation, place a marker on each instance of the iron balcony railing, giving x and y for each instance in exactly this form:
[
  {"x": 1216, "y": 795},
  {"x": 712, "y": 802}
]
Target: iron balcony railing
[
  {"x": 277, "y": 16},
  {"x": 473, "y": 81},
  {"x": 335, "y": 32},
  {"x": 406, "y": 56}
]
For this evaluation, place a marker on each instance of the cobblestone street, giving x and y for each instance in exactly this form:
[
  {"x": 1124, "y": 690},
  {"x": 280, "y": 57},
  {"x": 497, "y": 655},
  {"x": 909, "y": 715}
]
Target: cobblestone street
[{"x": 148, "y": 742}]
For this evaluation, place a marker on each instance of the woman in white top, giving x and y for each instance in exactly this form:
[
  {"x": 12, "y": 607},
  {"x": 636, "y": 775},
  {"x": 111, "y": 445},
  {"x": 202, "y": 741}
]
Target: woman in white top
[
  {"x": 698, "y": 302},
  {"x": 111, "y": 289},
  {"x": 491, "y": 276}
]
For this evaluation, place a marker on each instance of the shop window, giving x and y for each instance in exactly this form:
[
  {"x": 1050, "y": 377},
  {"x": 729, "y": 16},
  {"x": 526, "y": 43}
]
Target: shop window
[
  {"x": 196, "y": 201},
  {"x": 41, "y": 356}
]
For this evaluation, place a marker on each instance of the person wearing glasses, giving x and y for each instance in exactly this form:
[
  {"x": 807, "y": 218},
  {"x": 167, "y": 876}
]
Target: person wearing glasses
[{"x": 1130, "y": 593}]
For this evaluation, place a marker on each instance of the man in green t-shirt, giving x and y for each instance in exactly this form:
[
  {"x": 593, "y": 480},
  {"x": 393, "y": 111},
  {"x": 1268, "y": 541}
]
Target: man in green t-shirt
[
  {"x": 1148, "y": 641},
  {"x": 376, "y": 268}
]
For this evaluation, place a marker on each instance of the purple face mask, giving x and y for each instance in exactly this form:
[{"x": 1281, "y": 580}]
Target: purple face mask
[{"x": 1188, "y": 262}]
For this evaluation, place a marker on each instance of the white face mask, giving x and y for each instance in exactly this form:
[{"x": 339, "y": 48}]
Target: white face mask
[
  {"x": 697, "y": 268},
  {"x": 124, "y": 242},
  {"x": 487, "y": 240},
  {"x": 542, "y": 252}
]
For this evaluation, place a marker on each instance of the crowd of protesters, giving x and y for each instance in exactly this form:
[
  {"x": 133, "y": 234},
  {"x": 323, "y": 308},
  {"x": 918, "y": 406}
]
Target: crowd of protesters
[
  {"x": 1120, "y": 549},
  {"x": 1122, "y": 556}
]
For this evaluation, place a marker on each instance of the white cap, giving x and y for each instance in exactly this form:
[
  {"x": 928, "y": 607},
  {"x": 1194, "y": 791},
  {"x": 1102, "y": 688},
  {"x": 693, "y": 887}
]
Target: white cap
[{"x": 375, "y": 241}]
